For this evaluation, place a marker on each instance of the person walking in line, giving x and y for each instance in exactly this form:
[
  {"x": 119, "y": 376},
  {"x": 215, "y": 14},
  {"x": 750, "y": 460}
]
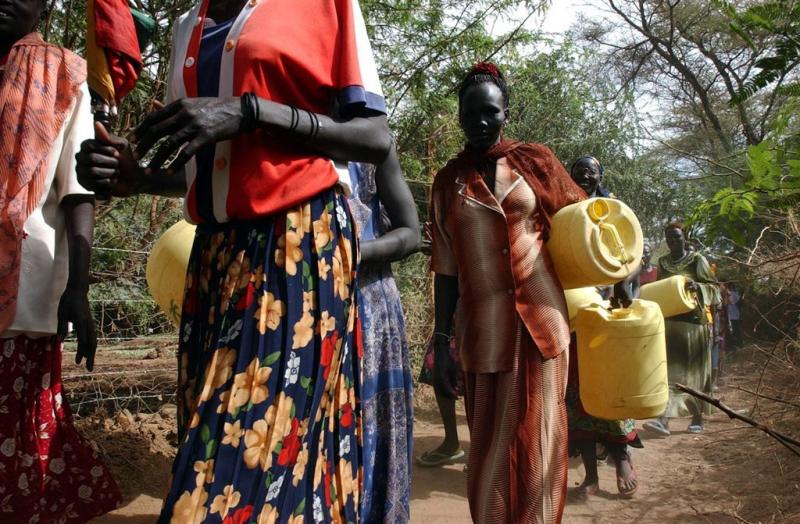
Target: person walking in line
[{"x": 490, "y": 209}]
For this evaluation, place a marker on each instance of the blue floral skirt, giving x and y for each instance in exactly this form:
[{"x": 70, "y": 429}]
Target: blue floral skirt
[{"x": 268, "y": 372}]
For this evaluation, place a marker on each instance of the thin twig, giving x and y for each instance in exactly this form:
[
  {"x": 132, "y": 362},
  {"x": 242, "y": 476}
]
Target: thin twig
[
  {"x": 774, "y": 399},
  {"x": 786, "y": 441}
]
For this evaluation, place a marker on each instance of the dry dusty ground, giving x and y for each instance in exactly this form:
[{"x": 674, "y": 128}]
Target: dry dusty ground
[{"x": 731, "y": 473}]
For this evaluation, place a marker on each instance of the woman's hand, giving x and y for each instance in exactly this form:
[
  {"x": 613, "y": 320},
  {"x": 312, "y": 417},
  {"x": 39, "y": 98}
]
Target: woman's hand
[
  {"x": 444, "y": 369},
  {"x": 426, "y": 242},
  {"x": 74, "y": 307},
  {"x": 190, "y": 124},
  {"x": 106, "y": 165},
  {"x": 692, "y": 286},
  {"x": 622, "y": 296}
]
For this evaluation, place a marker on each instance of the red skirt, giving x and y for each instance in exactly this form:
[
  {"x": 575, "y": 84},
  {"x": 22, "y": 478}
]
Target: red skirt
[
  {"x": 517, "y": 466},
  {"x": 47, "y": 472}
]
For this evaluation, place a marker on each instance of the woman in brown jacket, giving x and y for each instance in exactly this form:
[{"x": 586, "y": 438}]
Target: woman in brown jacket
[{"x": 491, "y": 208}]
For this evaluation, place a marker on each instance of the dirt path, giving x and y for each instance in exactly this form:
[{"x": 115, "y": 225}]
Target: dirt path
[{"x": 729, "y": 474}]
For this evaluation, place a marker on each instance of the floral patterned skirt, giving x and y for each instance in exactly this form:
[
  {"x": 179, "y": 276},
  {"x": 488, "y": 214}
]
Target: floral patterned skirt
[
  {"x": 268, "y": 372},
  {"x": 48, "y": 473}
]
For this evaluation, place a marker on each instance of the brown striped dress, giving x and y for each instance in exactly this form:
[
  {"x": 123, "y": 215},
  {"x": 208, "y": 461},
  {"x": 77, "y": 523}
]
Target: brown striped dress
[{"x": 512, "y": 331}]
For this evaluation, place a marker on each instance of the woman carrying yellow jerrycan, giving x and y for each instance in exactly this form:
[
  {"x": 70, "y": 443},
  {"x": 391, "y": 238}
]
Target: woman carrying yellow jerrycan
[
  {"x": 688, "y": 354},
  {"x": 585, "y": 430}
]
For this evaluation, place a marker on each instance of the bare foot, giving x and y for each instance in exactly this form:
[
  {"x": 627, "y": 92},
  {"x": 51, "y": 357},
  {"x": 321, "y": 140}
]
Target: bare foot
[{"x": 588, "y": 488}]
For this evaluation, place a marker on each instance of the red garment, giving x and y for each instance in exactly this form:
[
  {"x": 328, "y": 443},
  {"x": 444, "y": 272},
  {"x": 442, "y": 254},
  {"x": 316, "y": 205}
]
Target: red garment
[
  {"x": 647, "y": 276},
  {"x": 39, "y": 87},
  {"x": 319, "y": 65},
  {"x": 116, "y": 34},
  {"x": 48, "y": 473}
]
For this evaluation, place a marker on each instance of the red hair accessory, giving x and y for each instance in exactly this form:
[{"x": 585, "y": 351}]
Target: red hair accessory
[{"x": 486, "y": 68}]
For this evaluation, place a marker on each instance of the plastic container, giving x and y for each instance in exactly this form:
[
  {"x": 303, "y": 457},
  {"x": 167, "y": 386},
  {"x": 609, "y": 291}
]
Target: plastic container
[
  {"x": 622, "y": 361},
  {"x": 671, "y": 296},
  {"x": 580, "y": 298},
  {"x": 166, "y": 269},
  {"x": 596, "y": 242}
]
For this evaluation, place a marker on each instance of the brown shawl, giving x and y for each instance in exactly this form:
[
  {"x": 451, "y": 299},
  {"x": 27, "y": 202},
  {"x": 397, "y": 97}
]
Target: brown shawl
[
  {"x": 550, "y": 182},
  {"x": 37, "y": 91}
]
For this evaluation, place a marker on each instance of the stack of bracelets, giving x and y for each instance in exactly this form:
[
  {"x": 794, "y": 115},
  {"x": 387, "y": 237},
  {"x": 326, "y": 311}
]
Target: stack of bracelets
[{"x": 251, "y": 116}]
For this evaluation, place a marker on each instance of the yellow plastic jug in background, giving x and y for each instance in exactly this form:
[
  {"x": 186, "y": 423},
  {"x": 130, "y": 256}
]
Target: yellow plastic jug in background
[
  {"x": 622, "y": 361},
  {"x": 166, "y": 268},
  {"x": 580, "y": 298},
  {"x": 596, "y": 242},
  {"x": 671, "y": 295}
]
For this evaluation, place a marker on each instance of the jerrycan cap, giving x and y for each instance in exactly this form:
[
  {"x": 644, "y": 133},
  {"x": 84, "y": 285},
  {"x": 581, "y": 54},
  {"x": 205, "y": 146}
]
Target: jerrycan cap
[
  {"x": 621, "y": 313},
  {"x": 598, "y": 210}
]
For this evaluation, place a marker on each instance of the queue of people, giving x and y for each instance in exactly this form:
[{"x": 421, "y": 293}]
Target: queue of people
[{"x": 294, "y": 382}]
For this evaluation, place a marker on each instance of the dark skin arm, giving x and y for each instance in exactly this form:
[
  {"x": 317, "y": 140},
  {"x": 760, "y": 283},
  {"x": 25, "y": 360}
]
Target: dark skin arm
[
  {"x": 195, "y": 122},
  {"x": 74, "y": 304},
  {"x": 394, "y": 194},
  {"x": 445, "y": 296},
  {"x": 108, "y": 163}
]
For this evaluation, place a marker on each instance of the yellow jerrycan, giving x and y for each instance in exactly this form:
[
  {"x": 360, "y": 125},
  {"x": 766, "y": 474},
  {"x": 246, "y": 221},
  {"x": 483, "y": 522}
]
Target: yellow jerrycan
[
  {"x": 596, "y": 242},
  {"x": 580, "y": 298},
  {"x": 671, "y": 295},
  {"x": 166, "y": 268},
  {"x": 622, "y": 361}
]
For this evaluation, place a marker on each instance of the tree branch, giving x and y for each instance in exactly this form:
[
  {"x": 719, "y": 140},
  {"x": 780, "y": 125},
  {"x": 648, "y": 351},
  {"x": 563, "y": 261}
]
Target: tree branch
[{"x": 786, "y": 441}]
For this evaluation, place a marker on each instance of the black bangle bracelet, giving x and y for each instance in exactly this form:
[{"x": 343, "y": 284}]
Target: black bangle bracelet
[
  {"x": 295, "y": 119},
  {"x": 250, "y": 111},
  {"x": 311, "y": 127}
]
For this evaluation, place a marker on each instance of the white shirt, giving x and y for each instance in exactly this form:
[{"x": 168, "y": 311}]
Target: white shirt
[{"x": 45, "y": 255}]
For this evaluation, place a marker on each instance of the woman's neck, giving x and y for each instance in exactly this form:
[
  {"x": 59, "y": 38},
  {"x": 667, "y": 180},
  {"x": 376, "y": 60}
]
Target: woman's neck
[
  {"x": 222, "y": 10},
  {"x": 678, "y": 256},
  {"x": 5, "y": 47}
]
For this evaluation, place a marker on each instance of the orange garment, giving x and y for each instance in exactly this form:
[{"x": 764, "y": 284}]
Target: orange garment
[
  {"x": 495, "y": 244},
  {"x": 37, "y": 91}
]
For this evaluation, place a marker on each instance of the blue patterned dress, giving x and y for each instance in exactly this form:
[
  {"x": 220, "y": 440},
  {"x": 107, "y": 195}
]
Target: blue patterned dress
[{"x": 386, "y": 391}]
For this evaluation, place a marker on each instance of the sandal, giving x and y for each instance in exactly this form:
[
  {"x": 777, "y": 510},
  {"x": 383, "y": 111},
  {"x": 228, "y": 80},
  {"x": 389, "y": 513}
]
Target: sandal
[
  {"x": 622, "y": 481},
  {"x": 656, "y": 427},
  {"x": 432, "y": 459},
  {"x": 695, "y": 429}
]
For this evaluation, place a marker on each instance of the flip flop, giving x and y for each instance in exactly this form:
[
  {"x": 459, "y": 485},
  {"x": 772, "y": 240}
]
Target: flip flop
[
  {"x": 695, "y": 428},
  {"x": 432, "y": 459},
  {"x": 656, "y": 427},
  {"x": 622, "y": 481}
]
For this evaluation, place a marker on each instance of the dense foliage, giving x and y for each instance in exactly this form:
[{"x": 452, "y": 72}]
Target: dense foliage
[{"x": 691, "y": 106}]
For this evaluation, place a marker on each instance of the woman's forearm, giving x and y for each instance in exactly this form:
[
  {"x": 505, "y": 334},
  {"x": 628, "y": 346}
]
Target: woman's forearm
[
  {"x": 393, "y": 192},
  {"x": 358, "y": 139},
  {"x": 166, "y": 183},
  {"x": 79, "y": 213},
  {"x": 445, "y": 296},
  {"x": 394, "y": 245}
]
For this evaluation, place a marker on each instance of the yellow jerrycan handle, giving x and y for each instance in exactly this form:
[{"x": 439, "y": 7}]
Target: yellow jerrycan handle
[{"x": 598, "y": 211}]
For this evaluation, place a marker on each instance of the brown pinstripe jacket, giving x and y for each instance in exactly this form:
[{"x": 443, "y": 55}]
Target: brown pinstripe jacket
[{"x": 494, "y": 244}]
